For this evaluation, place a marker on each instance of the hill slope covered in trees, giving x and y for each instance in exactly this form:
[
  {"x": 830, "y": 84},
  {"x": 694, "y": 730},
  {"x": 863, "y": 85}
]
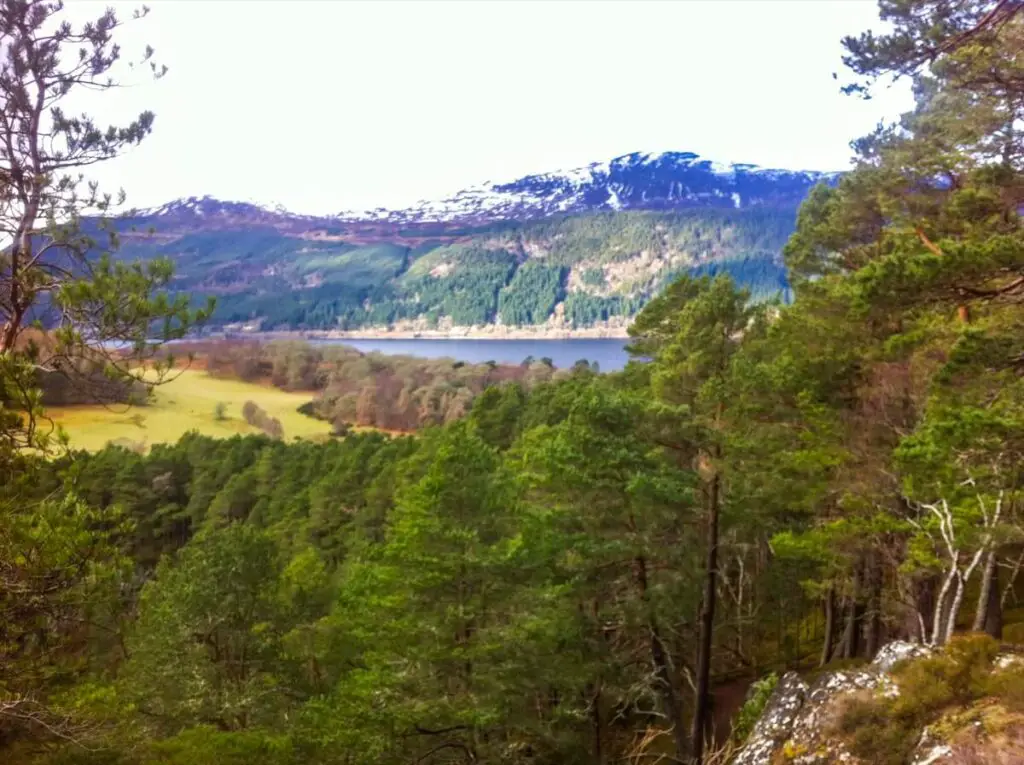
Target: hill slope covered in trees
[
  {"x": 582, "y": 570},
  {"x": 566, "y": 250}
]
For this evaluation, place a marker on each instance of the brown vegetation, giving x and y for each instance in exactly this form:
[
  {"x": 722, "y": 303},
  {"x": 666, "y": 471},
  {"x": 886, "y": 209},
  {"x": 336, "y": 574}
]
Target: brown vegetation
[
  {"x": 395, "y": 393},
  {"x": 956, "y": 695},
  {"x": 67, "y": 380}
]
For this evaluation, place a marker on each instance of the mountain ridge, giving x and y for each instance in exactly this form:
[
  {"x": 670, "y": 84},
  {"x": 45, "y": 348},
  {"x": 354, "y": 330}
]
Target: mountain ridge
[
  {"x": 670, "y": 180},
  {"x": 569, "y": 249}
]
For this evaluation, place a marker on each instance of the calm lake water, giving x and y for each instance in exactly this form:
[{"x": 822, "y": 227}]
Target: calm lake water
[{"x": 610, "y": 354}]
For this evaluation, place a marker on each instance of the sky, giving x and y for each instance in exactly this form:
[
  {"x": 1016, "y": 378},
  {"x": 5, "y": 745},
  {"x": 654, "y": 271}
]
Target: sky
[{"x": 330, "y": 105}]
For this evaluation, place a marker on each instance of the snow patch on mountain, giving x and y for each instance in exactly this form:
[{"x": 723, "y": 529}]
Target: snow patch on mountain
[
  {"x": 641, "y": 180},
  {"x": 637, "y": 181}
]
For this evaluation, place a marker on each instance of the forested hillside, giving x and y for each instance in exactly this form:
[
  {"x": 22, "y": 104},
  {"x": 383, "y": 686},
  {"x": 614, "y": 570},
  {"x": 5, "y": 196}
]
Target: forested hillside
[
  {"x": 587, "y": 569},
  {"x": 569, "y": 270}
]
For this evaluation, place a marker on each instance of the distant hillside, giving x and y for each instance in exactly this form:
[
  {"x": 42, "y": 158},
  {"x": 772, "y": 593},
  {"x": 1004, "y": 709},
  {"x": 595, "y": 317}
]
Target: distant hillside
[{"x": 572, "y": 249}]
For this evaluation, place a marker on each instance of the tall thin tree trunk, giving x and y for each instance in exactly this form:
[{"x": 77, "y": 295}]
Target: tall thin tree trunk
[
  {"x": 597, "y": 722},
  {"x": 986, "y": 593},
  {"x": 662, "y": 665},
  {"x": 850, "y": 632},
  {"x": 994, "y": 617},
  {"x": 923, "y": 593},
  {"x": 873, "y": 622},
  {"x": 962, "y": 578},
  {"x": 849, "y": 638},
  {"x": 673, "y": 709},
  {"x": 707, "y": 622},
  {"x": 954, "y": 609},
  {"x": 1010, "y": 588},
  {"x": 830, "y": 627},
  {"x": 938, "y": 632}
]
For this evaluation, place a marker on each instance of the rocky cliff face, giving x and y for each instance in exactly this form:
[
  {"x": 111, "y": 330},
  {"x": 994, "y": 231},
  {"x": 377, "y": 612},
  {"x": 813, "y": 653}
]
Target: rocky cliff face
[{"x": 799, "y": 724}]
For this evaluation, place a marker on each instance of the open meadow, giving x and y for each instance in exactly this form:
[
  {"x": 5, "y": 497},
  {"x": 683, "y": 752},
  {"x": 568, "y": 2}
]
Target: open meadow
[{"x": 187, "y": 402}]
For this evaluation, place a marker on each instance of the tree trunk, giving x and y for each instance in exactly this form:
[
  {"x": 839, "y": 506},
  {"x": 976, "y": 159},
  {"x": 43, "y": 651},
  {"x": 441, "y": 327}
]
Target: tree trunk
[
  {"x": 662, "y": 666},
  {"x": 873, "y": 623},
  {"x": 707, "y": 622},
  {"x": 954, "y": 609},
  {"x": 938, "y": 632},
  {"x": 924, "y": 607},
  {"x": 986, "y": 594},
  {"x": 597, "y": 721},
  {"x": 830, "y": 627},
  {"x": 673, "y": 709},
  {"x": 848, "y": 643},
  {"x": 1011, "y": 586},
  {"x": 850, "y": 632},
  {"x": 961, "y": 584}
]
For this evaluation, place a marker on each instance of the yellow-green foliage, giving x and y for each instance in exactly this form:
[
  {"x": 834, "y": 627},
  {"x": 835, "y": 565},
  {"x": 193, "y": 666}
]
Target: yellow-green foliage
[
  {"x": 1013, "y": 626},
  {"x": 751, "y": 711},
  {"x": 885, "y": 730},
  {"x": 188, "y": 402}
]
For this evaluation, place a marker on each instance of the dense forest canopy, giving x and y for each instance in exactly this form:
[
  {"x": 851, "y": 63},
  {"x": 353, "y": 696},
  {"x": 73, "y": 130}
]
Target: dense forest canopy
[
  {"x": 574, "y": 270},
  {"x": 586, "y": 569}
]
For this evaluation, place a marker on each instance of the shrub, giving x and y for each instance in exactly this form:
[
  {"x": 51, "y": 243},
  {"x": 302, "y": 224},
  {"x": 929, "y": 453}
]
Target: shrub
[
  {"x": 138, "y": 447},
  {"x": 258, "y": 418},
  {"x": 220, "y": 411},
  {"x": 874, "y": 734},
  {"x": 885, "y": 730},
  {"x": 273, "y": 428},
  {"x": 956, "y": 676},
  {"x": 1008, "y": 687},
  {"x": 752, "y": 708}
]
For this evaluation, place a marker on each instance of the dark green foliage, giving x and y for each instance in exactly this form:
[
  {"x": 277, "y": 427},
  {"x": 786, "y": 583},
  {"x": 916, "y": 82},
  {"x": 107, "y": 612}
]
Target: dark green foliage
[
  {"x": 765, "y": 275},
  {"x": 560, "y": 567},
  {"x": 461, "y": 282},
  {"x": 583, "y": 309},
  {"x": 531, "y": 295},
  {"x": 285, "y": 281},
  {"x": 497, "y": 413}
]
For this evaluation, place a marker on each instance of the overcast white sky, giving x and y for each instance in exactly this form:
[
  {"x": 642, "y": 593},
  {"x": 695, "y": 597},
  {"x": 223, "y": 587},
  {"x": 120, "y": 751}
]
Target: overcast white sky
[{"x": 325, "y": 105}]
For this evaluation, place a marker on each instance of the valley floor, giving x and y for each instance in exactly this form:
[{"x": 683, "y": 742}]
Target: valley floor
[{"x": 187, "y": 402}]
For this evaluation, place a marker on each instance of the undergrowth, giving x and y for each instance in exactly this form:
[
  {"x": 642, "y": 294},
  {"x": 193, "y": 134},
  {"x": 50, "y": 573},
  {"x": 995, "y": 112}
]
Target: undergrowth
[
  {"x": 885, "y": 730},
  {"x": 752, "y": 708}
]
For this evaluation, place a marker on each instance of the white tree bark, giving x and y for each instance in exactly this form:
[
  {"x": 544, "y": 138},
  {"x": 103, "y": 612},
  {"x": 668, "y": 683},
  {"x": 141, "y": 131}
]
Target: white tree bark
[
  {"x": 987, "y": 583},
  {"x": 944, "y": 621}
]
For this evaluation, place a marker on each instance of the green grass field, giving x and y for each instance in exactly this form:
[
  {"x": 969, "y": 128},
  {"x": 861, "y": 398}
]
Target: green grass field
[{"x": 183, "y": 404}]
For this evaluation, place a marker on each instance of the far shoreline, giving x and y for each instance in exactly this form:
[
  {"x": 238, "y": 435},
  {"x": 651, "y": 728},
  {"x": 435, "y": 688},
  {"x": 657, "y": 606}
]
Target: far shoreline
[{"x": 601, "y": 333}]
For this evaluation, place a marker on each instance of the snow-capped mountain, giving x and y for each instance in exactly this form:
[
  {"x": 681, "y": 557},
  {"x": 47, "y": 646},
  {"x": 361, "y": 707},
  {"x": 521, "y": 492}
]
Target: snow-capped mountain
[
  {"x": 529, "y": 251},
  {"x": 638, "y": 181},
  {"x": 208, "y": 212}
]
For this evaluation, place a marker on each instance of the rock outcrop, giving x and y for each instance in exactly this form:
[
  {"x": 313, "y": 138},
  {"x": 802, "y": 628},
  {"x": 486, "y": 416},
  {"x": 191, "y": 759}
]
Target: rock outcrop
[{"x": 798, "y": 723}]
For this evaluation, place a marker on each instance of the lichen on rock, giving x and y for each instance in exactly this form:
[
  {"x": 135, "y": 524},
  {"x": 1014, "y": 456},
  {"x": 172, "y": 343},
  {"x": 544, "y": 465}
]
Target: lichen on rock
[
  {"x": 801, "y": 721},
  {"x": 776, "y": 722},
  {"x": 898, "y": 650},
  {"x": 796, "y": 724}
]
